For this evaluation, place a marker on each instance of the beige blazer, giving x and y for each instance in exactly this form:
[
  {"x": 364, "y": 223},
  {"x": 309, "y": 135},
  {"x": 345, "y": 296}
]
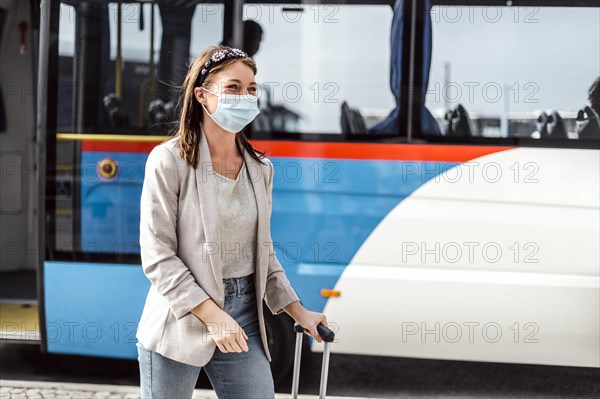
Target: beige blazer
[{"x": 179, "y": 239}]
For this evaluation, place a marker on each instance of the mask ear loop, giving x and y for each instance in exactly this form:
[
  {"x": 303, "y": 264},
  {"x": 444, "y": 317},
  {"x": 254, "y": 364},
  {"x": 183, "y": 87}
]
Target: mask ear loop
[
  {"x": 209, "y": 114},
  {"x": 208, "y": 91}
]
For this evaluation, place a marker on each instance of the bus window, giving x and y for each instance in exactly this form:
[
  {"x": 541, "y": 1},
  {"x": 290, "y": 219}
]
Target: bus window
[
  {"x": 128, "y": 93},
  {"x": 525, "y": 74},
  {"x": 155, "y": 44},
  {"x": 66, "y": 49},
  {"x": 207, "y": 27},
  {"x": 98, "y": 180},
  {"x": 314, "y": 57}
]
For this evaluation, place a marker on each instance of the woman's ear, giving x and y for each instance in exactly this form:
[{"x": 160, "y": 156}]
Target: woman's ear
[{"x": 199, "y": 95}]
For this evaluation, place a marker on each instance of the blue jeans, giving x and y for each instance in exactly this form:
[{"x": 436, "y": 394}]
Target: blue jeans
[{"x": 232, "y": 375}]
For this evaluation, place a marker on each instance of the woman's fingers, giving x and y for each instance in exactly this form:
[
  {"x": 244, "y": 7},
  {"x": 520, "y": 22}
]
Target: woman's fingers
[
  {"x": 223, "y": 347},
  {"x": 311, "y": 323},
  {"x": 242, "y": 343},
  {"x": 235, "y": 347},
  {"x": 230, "y": 346},
  {"x": 238, "y": 340},
  {"x": 315, "y": 334},
  {"x": 236, "y": 343}
]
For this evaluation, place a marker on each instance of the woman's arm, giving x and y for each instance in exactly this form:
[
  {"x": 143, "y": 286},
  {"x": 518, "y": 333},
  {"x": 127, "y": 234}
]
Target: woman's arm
[{"x": 158, "y": 239}]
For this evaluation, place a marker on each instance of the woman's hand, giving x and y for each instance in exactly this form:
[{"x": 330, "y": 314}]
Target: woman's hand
[
  {"x": 225, "y": 331},
  {"x": 228, "y": 334},
  {"x": 307, "y": 319}
]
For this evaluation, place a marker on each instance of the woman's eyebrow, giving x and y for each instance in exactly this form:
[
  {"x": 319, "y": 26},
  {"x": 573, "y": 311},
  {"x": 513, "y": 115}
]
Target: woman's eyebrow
[{"x": 239, "y": 81}]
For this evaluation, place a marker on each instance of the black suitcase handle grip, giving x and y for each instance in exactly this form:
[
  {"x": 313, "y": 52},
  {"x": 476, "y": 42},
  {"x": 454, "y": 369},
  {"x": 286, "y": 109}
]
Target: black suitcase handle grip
[{"x": 324, "y": 332}]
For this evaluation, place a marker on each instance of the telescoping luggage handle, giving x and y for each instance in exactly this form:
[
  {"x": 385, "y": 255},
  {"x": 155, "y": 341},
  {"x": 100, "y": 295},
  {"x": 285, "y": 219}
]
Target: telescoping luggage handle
[{"x": 328, "y": 336}]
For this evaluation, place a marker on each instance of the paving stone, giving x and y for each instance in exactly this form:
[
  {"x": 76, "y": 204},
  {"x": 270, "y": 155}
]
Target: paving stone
[{"x": 101, "y": 394}]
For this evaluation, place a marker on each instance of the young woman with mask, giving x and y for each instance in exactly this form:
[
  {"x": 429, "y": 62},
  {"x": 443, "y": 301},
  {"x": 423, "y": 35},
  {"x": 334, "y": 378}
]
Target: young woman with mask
[{"x": 206, "y": 245}]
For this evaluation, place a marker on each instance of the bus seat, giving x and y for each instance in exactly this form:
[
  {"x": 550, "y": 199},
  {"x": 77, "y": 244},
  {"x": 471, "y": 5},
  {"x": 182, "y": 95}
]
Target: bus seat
[
  {"x": 588, "y": 124},
  {"x": 457, "y": 123},
  {"x": 541, "y": 124},
  {"x": 556, "y": 126},
  {"x": 157, "y": 112},
  {"x": 351, "y": 120},
  {"x": 262, "y": 122},
  {"x": 112, "y": 106}
]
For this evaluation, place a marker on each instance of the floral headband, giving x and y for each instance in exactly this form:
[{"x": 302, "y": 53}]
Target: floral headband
[{"x": 216, "y": 59}]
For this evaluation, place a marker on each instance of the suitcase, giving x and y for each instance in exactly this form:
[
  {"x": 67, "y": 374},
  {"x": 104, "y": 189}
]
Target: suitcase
[{"x": 328, "y": 337}]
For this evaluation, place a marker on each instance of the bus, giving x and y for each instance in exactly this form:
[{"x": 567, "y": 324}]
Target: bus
[{"x": 436, "y": 189}]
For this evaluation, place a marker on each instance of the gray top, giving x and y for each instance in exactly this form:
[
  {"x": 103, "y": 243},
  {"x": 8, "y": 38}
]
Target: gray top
[{"x": 238, "y": 224}]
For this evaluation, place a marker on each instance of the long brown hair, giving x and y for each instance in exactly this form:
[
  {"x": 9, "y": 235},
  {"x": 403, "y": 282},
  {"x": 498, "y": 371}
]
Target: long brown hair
[{"x": 190, "y": 118}]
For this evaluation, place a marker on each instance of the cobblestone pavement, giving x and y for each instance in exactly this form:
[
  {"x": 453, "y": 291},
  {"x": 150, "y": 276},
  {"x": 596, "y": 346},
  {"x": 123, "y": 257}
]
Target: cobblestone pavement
[
  {"x": 10, "y": 389},
  {"x": 13, "y": 389}
]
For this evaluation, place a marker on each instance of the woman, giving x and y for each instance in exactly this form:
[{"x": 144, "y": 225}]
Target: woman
[{"x": 206, "y": 245}]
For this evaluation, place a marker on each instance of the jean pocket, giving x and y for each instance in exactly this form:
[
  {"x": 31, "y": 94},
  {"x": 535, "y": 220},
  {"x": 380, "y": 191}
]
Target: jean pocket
[
  {"x": 249, "y": 296},
  {"x": 227, "y": 301}
]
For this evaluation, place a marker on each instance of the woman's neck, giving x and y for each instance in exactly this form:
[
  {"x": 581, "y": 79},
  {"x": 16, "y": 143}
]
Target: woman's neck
[{"x": 221, "y": 143}]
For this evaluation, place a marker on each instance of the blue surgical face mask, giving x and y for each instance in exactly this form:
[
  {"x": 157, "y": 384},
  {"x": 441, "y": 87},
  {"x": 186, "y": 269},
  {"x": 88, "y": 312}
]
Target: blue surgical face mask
[{"x": 234, "y": 111}]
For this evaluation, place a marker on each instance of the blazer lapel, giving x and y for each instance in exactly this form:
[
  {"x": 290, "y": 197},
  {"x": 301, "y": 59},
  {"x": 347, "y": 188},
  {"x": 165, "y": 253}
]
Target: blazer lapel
[
  {"x": 209, "y": 209},
  {"x": 260, "y": 194}
]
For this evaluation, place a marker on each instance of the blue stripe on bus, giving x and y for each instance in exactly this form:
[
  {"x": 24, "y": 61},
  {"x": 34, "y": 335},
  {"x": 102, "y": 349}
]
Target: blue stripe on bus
[
  {"x": 323, "y": 210},
  {"x": 93, "y": 308}
]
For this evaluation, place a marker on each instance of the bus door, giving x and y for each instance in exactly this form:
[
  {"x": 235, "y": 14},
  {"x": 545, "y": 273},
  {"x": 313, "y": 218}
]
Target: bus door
[
  {"x": 112, "y": 87},
  {"x": 18, "y": 192}
]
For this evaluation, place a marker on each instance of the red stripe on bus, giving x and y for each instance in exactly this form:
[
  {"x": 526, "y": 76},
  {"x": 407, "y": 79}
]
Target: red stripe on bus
[
  {"x": 376, "y": 151},
  {"x": 366, "y": 151}
]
